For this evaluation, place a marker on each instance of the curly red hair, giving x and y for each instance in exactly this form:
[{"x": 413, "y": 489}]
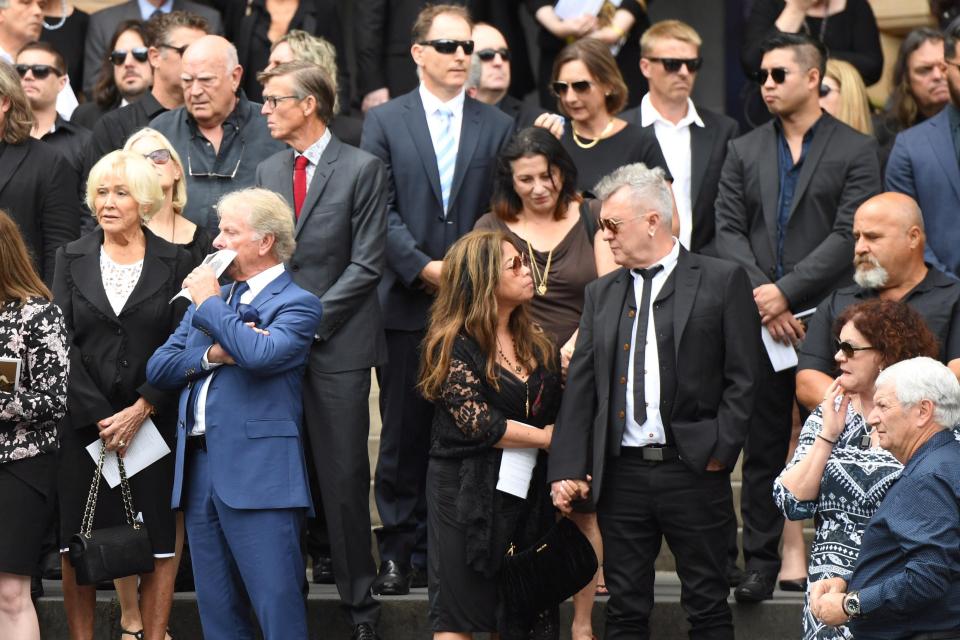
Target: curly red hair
[{"x": 894, "y": 329}]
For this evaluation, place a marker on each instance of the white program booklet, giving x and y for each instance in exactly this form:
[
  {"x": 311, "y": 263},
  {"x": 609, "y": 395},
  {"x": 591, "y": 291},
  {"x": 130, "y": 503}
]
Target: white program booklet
[
  {"x": 219, "y": 261},
  {"x": 568, "y": 9},
  {"x": 516, "y": 470},
  {"x": 147, "y": 447},
  {"x": 782, "y": 356}
]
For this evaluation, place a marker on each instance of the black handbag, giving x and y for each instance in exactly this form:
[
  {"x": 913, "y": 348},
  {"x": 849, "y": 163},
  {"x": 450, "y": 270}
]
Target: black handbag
[
  {"x": 113, "y": 552},
  {"x": 558, "y": 565}
]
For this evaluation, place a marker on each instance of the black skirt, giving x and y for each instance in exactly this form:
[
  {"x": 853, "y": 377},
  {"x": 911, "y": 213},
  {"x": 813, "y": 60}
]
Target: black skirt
[{"x": 27, "y": 504}]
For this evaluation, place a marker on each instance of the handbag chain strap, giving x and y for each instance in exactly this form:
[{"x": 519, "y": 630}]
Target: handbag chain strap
[{"x": 86, "y": 527}]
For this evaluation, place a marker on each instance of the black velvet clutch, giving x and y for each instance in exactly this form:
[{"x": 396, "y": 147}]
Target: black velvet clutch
[{"x": 113, "y": 552}]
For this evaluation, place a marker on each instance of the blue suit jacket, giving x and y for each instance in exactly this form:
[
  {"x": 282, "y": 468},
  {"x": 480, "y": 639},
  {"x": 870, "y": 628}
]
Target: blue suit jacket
[
  {"x": 923, "y": 165},
  {"x": 417, "y": 231},
  {"x": 253, "y": 410}
]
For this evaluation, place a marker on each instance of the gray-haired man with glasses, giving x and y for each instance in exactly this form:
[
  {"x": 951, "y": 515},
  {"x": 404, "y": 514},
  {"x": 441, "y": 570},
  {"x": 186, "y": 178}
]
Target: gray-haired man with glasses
[{"x": 220, "y": 134}]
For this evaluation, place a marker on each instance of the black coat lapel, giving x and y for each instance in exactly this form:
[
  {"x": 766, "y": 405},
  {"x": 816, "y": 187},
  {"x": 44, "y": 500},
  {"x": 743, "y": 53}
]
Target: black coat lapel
[
  {"x": 686, "y": 282},
  {"x": 85, "y": 272},
  {"x": 610, "y": 314},
  {"x": 701, "y": 146},
  {"x": 155, "y": 273},
  {"x": 321, "y": 175},
  {"x": 821, "y": 138},
  {"x": 416, "y": 120},
  {"x": 10, "y": 158},
  {"x": 469, "y": 138},
  {"x": 769, "y": 176}
]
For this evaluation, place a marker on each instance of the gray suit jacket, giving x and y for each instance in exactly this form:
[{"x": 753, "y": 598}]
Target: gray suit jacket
[
  {"x": 340, "y": 254},
  {"x": 104, "y": 22}
]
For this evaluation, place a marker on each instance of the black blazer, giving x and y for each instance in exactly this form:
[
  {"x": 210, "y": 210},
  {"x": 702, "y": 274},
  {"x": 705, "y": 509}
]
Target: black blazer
[
  {"x": 417, "y": 232},
  {"x": 38, "y": 189},
  {"x": 381, "y": 31},
  {"x": 109, "y": 353},
  {"x": 717, "y": 355},
  {"x": 840, "y": 171},
  {"x": 708, "y": 149},
  {"x": 341, "y": 239}
]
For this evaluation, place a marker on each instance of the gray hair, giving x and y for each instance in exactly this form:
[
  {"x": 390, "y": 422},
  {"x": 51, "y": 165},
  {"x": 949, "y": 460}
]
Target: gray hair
[
  {"x": 648, "y": 187},
  {"x": 268, "y": 213},
  {"x": 924, "y": 378}
]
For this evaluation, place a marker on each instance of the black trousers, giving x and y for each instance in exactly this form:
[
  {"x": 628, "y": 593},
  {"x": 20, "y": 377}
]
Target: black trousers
[
  {"x": 337, "y": 419},
  {"x": 404, "y": 443},
  {"x": 644, "y": 502},
  {"x": 764, "y": 456}
]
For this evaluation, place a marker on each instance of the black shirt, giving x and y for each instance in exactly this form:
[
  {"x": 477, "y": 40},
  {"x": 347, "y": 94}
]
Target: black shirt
[
  {"x": 112, "y": 130},
  {"x": 936, "y": 298},
  {"x": 70, "y": 140},
  {"x": 631, "y": 144},
  {"x": 69, "y": 41}
]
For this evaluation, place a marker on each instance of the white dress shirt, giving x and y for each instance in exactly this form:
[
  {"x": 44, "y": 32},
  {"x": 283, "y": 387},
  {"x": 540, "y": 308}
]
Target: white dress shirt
[
  {"x": 313, "y": 154},
  {"x": 147, "y": 9},
  {"x": 674, "y": 141},
  {"x": 651, "y": 431},
  {"x": 435, "y": 122},
  {"x": 256, "y": 284}
]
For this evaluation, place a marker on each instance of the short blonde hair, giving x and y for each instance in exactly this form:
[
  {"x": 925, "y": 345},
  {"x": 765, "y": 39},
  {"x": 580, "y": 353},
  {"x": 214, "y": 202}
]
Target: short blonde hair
[
  {"x": 136, "y": 173},
  {"x": 267, "y": 213},
  {"x": 180, "y": 186},
  {"x": 854, "y": 102},
  {"x": 669, "y": 30}
]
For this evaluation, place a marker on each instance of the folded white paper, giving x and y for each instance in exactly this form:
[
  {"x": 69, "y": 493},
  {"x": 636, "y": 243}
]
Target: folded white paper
[
  {"x": 219, "y": 261},
  {"x": 782, "y": 356},
  {"x": 516, "y": 470},
  {"x": 147, "y": 447},
  {"x": 568, "y": 9}
]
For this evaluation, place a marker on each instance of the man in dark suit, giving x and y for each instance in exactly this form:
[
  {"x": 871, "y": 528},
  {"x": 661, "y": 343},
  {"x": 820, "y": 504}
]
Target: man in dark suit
[
  {"x": 693, "y": 139},
  {"x": 339, "y": 198},
  {"x": 660, "y": 389},
  {"x": 923, "y": 165},
  {"x": 439, "y": 147},
  {"x": 787, "y": 194},
  {"x": 104, "y": 22},
  {"x": 491, "y": 72},
  {"x": 240, "y": 474}
]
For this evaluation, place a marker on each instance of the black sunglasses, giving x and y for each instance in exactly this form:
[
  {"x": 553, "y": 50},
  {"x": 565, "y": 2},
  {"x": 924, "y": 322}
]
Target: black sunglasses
[
  {"x": 848, "y": 349},
  {"x": 489, "y": 54},
  {"x": 160, "y": 156},
  {"x": 779, "y": 74},
  {"x": 449, "y": 46},
  {"x": 40, "y": 71},
  {"x": 672, "y": 65},
  {"x": 518, "y": 262},
  {"x": 825, "y": 90},
  {"x": 560, "y": 88},
  {"x": 119, "y": 56},
  {"x": 179, "y": 50}
]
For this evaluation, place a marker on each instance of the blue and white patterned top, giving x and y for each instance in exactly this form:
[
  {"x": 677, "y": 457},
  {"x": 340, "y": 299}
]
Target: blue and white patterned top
[{"x": 854, "y": 482}]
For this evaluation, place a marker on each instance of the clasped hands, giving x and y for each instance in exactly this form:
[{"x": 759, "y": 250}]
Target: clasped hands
[
  {"x": 826, "y": 601},
  {"x": 565, "y": 492},
  {"x": 775, "y": 315}
]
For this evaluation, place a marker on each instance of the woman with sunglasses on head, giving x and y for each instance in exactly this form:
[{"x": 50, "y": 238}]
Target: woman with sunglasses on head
[
  {"x": 839, "y": 474},
  {"x": 590, "y": 92},
  {"x": 495, "y": 380},
  {"x": 126, "y": 74}
]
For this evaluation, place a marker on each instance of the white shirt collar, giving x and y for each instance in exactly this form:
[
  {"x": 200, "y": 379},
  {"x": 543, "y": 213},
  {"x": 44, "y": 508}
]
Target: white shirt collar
[
  {"x": 260, "y": 281},
  {"x": 315, "y": 151},
  {"x": 431, "y": 102},
  {"x": 649, "y": 114},
  {"x": 668, "y": 262},
  {"x": 147, "y": 9}
]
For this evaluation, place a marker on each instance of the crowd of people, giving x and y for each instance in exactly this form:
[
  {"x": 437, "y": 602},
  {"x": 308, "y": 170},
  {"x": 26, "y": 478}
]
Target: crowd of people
[{"x": 580, "y": 266}]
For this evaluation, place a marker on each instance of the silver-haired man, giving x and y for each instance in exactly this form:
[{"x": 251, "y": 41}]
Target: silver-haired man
[{"x": 907, "y": 580}]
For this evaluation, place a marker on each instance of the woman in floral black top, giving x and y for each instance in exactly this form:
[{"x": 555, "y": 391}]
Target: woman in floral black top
[{"x": 32, "y": 401}]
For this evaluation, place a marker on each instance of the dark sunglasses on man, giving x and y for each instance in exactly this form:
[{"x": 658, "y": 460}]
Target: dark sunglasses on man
[
  {"x": 486, "y": 55},
  {"x": 560, "y": 88},
  {"x": 119, "y": 56},
  {"x": 39, "y": 71},
  {"x": 779, "y": 75},
  {"x": 448, "y": 47},
  {"x": 672, "y": 65}
]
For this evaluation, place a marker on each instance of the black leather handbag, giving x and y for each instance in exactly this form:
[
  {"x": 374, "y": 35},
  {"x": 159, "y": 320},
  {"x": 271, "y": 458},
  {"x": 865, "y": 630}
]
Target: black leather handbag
[
  {"x": 557, "y": 566},
  {"x": 113, "y": 552}
]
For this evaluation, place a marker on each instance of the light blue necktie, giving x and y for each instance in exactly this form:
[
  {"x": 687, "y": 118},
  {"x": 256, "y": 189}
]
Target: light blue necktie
[{"x": 446, "y": 155}]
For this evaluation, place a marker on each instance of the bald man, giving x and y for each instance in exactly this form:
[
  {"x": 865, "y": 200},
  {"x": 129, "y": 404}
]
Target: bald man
[
  {"x": 489, "y": 78},
  {"x": 888, "y": 258},
  {"x": 220, "y": 135}
]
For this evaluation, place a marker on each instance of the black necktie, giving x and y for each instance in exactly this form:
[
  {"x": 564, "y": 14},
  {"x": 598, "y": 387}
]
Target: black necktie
[
  {"x": 239, "y": 288},
  {"x": 640, "y": 343}
]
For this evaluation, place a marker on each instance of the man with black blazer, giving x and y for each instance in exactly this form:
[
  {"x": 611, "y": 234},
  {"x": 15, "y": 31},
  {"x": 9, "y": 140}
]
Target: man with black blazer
[
  {"x": 104, "y": 22},
  {"x": 788, "y": 191},
  {"x": 660, "y": 389},
  {"x": 693, "y": 139},
  {"x": 491, "y": 76},
  {"x": 440, "y": 148},
  {"x": 339, "y": 197}
]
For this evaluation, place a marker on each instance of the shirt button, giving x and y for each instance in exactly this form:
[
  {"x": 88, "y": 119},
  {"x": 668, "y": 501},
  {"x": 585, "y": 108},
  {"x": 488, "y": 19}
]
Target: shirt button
[{"x": 649, "y": 435}]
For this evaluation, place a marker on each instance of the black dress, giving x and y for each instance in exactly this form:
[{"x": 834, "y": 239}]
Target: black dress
[
  {"x": 630, "y": 144},
  {"x": 470, "y": 525},
  {"x": 201, "y": 245},
  {"x": 69, "y": 41}
]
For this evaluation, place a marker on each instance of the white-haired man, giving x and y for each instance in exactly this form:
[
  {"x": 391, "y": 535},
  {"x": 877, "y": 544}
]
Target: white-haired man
[
  {"x": 663, "y": 379},
  {"x": 906, "y": 583}
]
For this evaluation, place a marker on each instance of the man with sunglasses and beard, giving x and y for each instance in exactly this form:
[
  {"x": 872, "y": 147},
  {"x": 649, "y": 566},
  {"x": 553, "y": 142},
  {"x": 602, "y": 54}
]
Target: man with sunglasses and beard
[
  {"x": 784, "y": 210},
  {"x": 440, "y": 148},
  {"x": 889, "y": 264}
]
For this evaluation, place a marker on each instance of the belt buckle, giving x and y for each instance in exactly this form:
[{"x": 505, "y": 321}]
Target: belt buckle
[{"x": 653, "y": 453}]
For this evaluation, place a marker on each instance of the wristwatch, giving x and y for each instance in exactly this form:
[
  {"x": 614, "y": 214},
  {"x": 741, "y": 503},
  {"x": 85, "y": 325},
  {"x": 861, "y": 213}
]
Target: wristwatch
[{"x": 851, "y": 604}]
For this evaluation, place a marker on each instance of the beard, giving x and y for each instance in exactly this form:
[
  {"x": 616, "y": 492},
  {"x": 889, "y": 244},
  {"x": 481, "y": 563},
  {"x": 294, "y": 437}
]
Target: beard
[{"x": 869, "y": 274}]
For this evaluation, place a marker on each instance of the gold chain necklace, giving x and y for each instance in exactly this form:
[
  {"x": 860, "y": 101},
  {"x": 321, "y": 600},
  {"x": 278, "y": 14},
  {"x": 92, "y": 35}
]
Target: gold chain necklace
[
  {"x": 537, "y": 274},
  {"x": 590, "y": 145},
  {"x": 515, "y": 367}
]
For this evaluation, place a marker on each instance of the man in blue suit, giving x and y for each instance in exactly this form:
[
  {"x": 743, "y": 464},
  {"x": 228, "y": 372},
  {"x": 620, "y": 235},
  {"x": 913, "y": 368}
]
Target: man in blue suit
[
  {"x": 439, "y": 147},
  {"x": 239, "y": 356},
  {"x": 924, "y": 165}
]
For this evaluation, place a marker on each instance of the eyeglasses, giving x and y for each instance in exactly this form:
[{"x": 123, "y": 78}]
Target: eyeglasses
[
  {"x": 848, "y": 349},
  {"x": 825, "y": 90},
  {"x": 274, "y": 100},
  {"x": 179, "y": 50},
  {"x": 448, "y": 46},
  {"x": 487, "y": 55},
  {"x": 40, "y": 71},
  {"x": 613, "y": 224},
  {"x": 518, "y": 262},
  {"x": 119, "y": 56},
  {"x": 672, "y": 65},
  {"x": 160, "y": 156},
  {"x": 779, "y": 74},
  {"x": 214, "y": 174},
  {"x": 560, "y": 88}
]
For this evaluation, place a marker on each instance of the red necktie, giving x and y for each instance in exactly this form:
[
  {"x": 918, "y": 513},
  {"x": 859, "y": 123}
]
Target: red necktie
[{"x": 299, "y": 183}]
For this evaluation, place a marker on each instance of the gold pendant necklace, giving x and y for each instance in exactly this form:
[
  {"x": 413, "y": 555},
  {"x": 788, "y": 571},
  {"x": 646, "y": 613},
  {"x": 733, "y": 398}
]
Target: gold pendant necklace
[
  {"x": 590, "y": 145},
  {"x": 542, "y": 277}
]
